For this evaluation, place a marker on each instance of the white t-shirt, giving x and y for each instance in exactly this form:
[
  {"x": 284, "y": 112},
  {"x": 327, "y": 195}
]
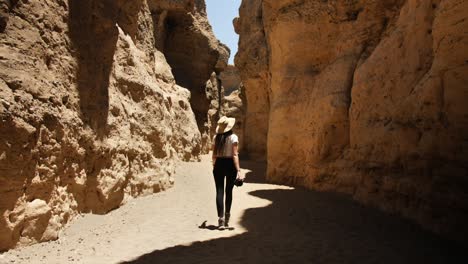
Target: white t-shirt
[{"x": 227, "y": 148}]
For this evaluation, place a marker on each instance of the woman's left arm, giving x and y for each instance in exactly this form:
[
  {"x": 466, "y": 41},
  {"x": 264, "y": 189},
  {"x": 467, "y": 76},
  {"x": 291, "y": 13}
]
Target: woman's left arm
[
  {"x": 235, "y": 156},
  {"x": 213, "y": 154}
]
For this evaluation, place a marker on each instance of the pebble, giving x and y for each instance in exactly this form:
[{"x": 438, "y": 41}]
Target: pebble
[{"x": 6, "y": 104}]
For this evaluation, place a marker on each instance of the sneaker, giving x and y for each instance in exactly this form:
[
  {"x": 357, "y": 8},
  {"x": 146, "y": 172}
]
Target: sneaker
[
  {"x": 221, "y": 223},
  {"x": 226, "y": 219}
]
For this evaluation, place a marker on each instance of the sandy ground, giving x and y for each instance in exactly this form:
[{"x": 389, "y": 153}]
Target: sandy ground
[{"x": 272, "y": 224}]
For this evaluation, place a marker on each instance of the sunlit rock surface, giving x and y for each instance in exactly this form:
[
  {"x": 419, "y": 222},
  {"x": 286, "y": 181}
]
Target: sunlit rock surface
[
  {"x": 252, "y": 62},
  {"x": 362, "y": 97},
  {"x": 92, "y": 108}
]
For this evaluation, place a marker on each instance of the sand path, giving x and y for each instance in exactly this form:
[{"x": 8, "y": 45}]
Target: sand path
[{"x": 273, "y": 224}]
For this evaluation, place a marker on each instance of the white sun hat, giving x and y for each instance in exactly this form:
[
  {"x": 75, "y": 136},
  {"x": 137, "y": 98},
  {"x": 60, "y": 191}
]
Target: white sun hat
[{"x": 225, "y": 124}]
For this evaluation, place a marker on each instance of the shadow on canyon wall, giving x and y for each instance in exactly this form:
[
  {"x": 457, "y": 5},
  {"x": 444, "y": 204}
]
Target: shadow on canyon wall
[
  {"x": 192, "y": 61},
  {"x": 94, "y": 34},
  {"x": 93, "y": 30}
]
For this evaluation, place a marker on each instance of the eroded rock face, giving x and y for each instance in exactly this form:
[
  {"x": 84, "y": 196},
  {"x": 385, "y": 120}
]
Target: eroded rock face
[
  {"x": 230, "y": 78},
  {"x": 233, "y": 106},
  {"x": 365, "y": 98},
  {"x": 252, "y": 62},
  {"x": 90, "y": 113},
  {"x": 214, "y": 93},
  {"x": 192, "y": 54},
  {"x": 223, "y": 103},
  {"x": 233, "y": 102}
]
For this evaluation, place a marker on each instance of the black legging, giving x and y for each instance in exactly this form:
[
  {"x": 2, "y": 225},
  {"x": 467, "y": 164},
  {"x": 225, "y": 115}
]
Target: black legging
[{"x": 224, "y": 167}]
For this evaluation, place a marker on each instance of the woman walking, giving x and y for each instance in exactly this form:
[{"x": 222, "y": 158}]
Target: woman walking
[{"x": 226, "y": 165}]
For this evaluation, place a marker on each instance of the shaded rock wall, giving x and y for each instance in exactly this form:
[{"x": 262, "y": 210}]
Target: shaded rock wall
[
  {"x": 192, "y": 51},
  {"x": 214, "y": 92},
  {"x": 222, "y": 104},
  {"x": 366, "y": 98},
  {"x": 233, "y": 106},
  {"x": 90, "y": 112},
  {"x": 233, "y": 100},
  {"x": 230, "y": 78}
]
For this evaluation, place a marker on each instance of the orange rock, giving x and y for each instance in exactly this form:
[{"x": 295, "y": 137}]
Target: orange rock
[
  {"x": 91, "y": 114},
  {"x": 365, "y": 98}
]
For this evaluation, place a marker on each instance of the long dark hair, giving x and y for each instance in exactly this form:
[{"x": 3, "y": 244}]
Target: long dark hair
[{"x": 220, "y": 140}]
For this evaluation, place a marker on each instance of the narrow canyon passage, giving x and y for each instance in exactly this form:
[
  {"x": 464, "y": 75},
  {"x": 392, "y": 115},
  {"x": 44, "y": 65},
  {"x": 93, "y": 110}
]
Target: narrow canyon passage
[
  {"x": 109, "y": 108},
  {"x": 273, "y": 224}
]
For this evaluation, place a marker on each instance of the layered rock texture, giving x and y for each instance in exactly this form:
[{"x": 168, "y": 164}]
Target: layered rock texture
[
  {"x": 362, "y": 97},
  {"x": 230, "y": 78},
  {"x": 233, "y": 106},
  {"x": 252, "y": 62},
  {"x": 214, "y": 93},
  {"x": 224, "y": 93},
  {"x": 193, "y": 53},
  {"x": 224, "y": 103},
  {"x": 233, "y": 102},
  {"x": 91, "y": 113}
]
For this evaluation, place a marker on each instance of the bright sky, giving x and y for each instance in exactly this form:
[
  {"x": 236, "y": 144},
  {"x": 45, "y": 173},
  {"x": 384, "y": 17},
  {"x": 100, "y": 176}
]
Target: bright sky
[{"x": 220, "y": 14}]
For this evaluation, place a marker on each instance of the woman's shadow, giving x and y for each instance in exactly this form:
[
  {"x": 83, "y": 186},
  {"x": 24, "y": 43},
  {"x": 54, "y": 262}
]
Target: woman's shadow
[{"x": 213, "y": 227}]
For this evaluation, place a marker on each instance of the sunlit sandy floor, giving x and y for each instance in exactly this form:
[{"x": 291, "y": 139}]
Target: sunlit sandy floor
[{"x": 272, "y": 224}]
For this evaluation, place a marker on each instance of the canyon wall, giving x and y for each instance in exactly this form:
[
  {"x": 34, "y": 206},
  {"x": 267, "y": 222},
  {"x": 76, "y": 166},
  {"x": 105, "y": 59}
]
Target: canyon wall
[
  {"x": 91, "y": 113},
  {"x": 233, "y": 101},
  {"x": 224, "y": 104},
  {"x": 193, "y": 53},
  {"x": 252, "y": 62},
  {"x": 363, "y": 97},
  {"x": 230, "y": 78},
  {"x": 233, "y": 107},
  {"x": 214, "y": 92}
]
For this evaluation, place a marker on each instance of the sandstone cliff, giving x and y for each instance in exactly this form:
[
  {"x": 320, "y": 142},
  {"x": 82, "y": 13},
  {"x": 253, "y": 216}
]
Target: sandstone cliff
[
  {"x": 233, "y": 106},
  {"x": 91, "y": 113},
  {"x": 193, "y": 53},
  {"x": 362, "y": 97},
  {"x": 233, "y": 102},
  {"x": 230, "y": 78},
  {"x": 252, "y": 62},
  {"x": 224, "y": 104},
  {"x": 214, "y": 93}
]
